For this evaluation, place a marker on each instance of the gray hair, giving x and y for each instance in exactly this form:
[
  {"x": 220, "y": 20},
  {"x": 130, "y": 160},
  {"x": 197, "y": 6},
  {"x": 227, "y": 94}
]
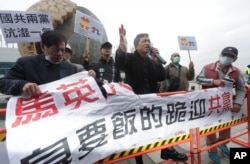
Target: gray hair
[{"x": 138, "y": 37}]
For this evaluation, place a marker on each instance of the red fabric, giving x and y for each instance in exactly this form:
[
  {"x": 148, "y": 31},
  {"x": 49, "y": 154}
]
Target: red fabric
[{"x": 211, "y": 73}]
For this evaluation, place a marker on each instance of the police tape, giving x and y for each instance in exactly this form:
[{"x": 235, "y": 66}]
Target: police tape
[
  {"x": 228, "y": 124},
  {"x": 2, "y": 134},
  {"x": 143, "y": 148}
]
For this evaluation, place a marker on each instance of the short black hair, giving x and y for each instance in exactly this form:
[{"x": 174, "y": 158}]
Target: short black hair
[{"x": 51, "y": 37}]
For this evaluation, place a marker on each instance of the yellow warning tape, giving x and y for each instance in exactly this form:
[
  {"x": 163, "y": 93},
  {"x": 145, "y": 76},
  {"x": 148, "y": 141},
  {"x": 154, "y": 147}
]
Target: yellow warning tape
[
  {"x": 2, "y": 137},
  {"x": 143, "y": 148},
  {"x": 243, "y": 119}
]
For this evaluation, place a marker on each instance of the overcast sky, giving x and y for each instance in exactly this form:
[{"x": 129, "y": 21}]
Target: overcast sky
[{"x": 215, "y": 24}]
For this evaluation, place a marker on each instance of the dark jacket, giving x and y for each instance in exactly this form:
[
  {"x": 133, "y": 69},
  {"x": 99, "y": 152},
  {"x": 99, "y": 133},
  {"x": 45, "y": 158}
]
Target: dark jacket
[
  {"x": 172, "y": 72},
  {"x": 141, "y": 74},
  {"x": 104, "y": 70},
  {"x": 33, "y": 69}
]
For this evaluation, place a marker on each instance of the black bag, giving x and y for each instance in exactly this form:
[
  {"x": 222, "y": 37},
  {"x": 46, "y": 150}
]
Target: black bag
[{"x": 174, "y": 84}]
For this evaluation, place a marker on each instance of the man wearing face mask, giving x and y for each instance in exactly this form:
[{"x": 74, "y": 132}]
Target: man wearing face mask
[
  {"x": 177, "y": 77},
  {"x": 177, "y": 71},
  {"x": 31, "y": 71},
  {"x": 212, "y": 75}
]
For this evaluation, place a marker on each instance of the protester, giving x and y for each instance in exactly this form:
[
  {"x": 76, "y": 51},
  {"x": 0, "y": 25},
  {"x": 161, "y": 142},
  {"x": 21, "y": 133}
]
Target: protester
[
  {"x": 67, "y": 55},
  {"x": 177, "y": 77},
  {"x": 31, "y": 71},
  {"x": 212, "y": 75},
  {"x": 104, "y": 67},
  {"x": 142, "y": 73}
]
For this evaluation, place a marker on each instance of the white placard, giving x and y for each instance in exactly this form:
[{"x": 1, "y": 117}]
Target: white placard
[{"x": 24, "y": 26}]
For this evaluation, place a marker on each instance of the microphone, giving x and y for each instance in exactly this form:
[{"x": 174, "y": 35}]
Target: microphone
[{"x": 157, "y": 55}]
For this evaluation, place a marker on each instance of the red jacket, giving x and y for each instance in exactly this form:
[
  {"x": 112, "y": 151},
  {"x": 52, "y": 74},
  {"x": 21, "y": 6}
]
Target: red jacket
[{"x": 210, "y": 72}]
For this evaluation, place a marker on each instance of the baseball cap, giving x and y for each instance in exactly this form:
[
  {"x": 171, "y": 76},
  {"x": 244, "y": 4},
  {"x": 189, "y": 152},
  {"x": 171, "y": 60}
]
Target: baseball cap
[
  {"x": 230, "y": 50},
  {"x": 68, "y": 48},
  {"x": 107, "y": 45}
]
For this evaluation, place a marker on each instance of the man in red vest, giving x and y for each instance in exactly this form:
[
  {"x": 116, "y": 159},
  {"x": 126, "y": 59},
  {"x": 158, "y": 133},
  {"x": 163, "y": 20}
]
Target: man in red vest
[{"x": 212, "y": 75}]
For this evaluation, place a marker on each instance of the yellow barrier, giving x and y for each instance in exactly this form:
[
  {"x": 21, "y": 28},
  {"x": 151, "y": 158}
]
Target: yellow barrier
[{"x": 118, "y": 157}]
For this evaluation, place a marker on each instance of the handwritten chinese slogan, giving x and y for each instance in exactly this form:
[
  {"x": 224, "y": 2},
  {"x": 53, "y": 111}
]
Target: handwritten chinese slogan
[
  {"x": 72, "y": 122},
  {"x": 24, "y": 26}
]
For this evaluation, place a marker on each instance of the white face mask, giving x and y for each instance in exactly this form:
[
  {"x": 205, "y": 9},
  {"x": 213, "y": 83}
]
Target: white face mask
[
  {"x": 225, "y": 60},
  {"x": 48, "y": 58}
]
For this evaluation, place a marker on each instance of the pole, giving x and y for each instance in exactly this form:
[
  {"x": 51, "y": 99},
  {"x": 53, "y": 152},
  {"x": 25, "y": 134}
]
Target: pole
[
  {"x": 189, "y": 56},
  {"x": 87, "y": 44}
]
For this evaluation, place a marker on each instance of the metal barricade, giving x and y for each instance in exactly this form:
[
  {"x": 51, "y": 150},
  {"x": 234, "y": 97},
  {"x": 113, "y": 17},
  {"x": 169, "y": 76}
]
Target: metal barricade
[{"x": 233, "y": 138}]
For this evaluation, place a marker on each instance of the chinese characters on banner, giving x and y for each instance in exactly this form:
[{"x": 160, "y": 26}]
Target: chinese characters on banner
[
  {"x": 24, "y": 26},
  {"x": 187, "y": 43},
  {"x": 72, "y": 122},
  {"x": 88, "y": 26}
]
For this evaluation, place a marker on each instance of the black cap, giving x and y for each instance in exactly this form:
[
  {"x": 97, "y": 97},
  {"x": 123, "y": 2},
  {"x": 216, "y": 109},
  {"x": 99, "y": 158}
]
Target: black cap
[
  {"x": 230, "y": 50},
  {"x": 106, "y": 45}
]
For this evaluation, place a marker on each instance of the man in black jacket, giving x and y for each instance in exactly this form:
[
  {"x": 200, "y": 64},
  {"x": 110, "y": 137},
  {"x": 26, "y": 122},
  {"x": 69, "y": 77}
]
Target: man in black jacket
[
  {"x": 31, "y": 71},
  {"x": 142, "y": 72},
  {"x": 105, "y": 66}
]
